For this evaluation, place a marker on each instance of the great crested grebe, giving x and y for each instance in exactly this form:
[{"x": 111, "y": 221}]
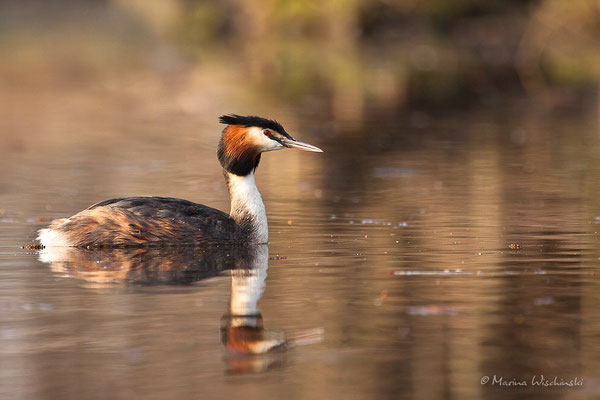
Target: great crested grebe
[{"x": 148, "y": 221}]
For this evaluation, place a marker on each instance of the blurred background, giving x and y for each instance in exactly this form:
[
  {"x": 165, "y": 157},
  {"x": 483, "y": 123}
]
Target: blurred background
[
  {"x": 346, "y": 61},
  {"x": 447, "y": 233}
]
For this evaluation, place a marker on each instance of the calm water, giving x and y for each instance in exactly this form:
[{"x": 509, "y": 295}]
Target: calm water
[{"x": 414, "y": 258}]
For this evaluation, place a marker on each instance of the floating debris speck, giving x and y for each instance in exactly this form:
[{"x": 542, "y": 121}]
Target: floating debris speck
[
  {"x": 33, "y": 247},
  {"x": 543, "y": 301},
  {"x": 393, "y": 172},
  {"x": 369, "y": 221},
  {"x": 431, "y": 310},
  {"x": 444, "y": 272}
]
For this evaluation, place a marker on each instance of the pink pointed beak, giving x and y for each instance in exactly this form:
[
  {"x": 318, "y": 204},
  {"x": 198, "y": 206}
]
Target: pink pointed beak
[{"x": 295, "y": 144}]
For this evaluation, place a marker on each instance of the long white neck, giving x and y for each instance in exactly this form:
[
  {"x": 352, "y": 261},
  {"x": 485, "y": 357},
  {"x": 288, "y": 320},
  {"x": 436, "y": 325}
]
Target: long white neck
[{"x": 247, "y": 205}]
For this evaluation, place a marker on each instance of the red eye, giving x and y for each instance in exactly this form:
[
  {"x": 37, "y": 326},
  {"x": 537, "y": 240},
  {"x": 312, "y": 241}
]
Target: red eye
[{"x": 267, "y": 132}]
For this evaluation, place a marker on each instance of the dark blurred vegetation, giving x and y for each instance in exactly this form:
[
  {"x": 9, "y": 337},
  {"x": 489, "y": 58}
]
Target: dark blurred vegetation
[{"x": 343, "y": 57}]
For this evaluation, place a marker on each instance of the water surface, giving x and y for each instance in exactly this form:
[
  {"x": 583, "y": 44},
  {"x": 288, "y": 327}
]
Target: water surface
[{"x": 418, "y": 258}]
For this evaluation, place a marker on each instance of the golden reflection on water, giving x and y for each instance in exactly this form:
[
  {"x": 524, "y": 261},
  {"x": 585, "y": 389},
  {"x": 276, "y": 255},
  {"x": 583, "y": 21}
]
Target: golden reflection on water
[
  {"x": 399, "y": 249},
  {"x": 401, "y": 253},
  {"x": 242, "y": 330}
]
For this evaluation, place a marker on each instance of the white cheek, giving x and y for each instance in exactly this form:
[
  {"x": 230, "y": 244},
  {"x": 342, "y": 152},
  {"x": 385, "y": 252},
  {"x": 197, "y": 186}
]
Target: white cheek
[
  {"x": 263, "y": 141},
  {"x": 272, "y": 145}
]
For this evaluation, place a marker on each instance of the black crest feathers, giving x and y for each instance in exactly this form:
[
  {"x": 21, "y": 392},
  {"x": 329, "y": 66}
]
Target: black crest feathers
[{"x": 252, "y": 120}]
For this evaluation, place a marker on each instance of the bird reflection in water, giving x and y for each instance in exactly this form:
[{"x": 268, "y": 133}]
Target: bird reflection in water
[
  {"x": 249, "y": 346},
  {"x": 242, "y": 330}
]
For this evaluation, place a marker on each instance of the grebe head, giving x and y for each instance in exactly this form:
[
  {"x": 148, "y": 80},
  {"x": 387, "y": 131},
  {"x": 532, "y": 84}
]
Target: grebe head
[{"x": 246, "y": 137}]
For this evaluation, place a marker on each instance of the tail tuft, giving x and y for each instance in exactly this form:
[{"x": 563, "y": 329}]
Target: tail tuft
[{"x": 52, "y": 236}]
